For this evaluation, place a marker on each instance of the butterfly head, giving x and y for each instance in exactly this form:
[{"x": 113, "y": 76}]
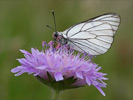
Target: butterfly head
[{"x": 59, "y": 38}]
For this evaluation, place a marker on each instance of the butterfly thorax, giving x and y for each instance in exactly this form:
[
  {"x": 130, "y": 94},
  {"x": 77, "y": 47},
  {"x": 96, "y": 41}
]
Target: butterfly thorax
[{"x": 59, "y": 38}]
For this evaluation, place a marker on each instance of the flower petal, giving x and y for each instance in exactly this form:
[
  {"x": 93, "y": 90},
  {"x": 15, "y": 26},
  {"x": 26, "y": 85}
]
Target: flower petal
[
  {"x": 88, "y": 81},
  {"x": 100, "y": 90},
  {"x": 58, "y": 76},
  {"x": 41, "y": 67},
  {"x": 79, "y": 75}
]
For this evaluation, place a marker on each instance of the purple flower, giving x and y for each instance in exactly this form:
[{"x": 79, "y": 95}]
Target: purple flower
[{"x": 61, "y": 65}]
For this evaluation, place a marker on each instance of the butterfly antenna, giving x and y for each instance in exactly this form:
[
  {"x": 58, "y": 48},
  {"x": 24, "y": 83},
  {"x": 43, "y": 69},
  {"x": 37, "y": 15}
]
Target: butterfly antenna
[
  {"x": 50, "y": 27},
  {"x": 54, "y": 20}
]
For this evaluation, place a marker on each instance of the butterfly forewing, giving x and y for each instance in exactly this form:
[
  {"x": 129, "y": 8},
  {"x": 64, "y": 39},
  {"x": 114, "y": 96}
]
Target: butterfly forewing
[{"x": 93, "y": 36}]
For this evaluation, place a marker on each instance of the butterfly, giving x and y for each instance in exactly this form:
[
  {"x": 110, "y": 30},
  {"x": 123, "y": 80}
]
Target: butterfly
[{"x": 93, "y": 36}]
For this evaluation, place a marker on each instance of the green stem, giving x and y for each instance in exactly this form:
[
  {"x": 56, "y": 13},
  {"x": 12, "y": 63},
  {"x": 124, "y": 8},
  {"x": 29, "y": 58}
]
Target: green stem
[{"x": 56, "y": 95}]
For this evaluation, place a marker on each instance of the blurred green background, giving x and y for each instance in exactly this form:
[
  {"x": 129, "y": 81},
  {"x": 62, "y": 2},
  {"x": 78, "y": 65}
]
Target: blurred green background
[{"x": 23, "y": 25}]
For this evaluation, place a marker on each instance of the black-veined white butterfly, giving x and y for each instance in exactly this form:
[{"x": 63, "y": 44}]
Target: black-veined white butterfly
[{"x": 93, "y": 36}]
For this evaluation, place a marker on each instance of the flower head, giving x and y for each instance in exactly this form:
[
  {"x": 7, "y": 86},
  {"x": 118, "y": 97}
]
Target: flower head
[{"x": 60, "y": 66}]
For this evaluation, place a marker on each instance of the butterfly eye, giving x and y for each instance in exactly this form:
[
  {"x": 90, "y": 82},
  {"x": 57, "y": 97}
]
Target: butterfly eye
[{"x": 55, "y": 35}]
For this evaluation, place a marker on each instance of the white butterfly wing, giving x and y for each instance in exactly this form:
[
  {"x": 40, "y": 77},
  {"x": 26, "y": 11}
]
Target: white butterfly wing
[{"x": 93, "y": 36}]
